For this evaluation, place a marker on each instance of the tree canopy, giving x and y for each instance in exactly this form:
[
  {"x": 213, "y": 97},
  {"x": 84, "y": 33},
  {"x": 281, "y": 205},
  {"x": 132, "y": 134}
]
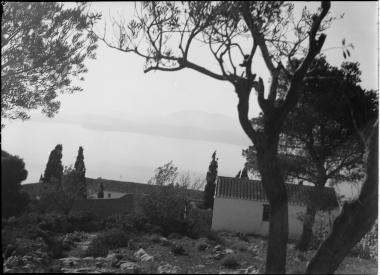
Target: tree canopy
[
  {"x": 320, "y": 140},
  {"x": 165, "y": 175},
  {"x": 211, "y": 176},
  {"x": 43, "y": 49},
  {"x": 80, "y": 171},
  {"x": 54, "y": 167},
  {"x": 13, "y": 172}
]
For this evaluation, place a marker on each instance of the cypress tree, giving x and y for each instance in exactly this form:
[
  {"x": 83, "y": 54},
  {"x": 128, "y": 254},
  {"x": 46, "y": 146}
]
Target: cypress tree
[
  {"x": 80, "y": 170},
  {"x": 244, "y": 173},
  {"x": 101, "y": 191},
  {"x": 210, "y": 185},
  {"x": 54, "y": 168}
]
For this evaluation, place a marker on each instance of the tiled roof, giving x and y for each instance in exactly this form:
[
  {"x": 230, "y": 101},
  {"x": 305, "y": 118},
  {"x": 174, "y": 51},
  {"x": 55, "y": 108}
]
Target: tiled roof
[{"x": 253, "y": 190}]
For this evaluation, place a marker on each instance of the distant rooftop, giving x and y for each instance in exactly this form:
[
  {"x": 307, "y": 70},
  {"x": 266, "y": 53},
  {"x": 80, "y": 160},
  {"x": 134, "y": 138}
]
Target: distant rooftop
[{"x": 113, "y": 186}]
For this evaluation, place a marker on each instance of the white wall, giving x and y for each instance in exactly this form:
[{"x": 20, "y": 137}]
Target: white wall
[
  {"x": 114, "y": 195},
  {"x": 246, "y": 216}
]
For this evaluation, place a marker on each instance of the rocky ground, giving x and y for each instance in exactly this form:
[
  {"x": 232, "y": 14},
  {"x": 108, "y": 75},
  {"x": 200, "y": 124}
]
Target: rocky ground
[{"x": 155, "y": 254}]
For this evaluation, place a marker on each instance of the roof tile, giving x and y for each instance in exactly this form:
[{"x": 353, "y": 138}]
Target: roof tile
[{"x": 253, "y": 190}]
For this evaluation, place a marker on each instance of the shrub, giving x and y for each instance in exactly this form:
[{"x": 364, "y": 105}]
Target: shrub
[
  {"x": 177, "y": 249},
  {"x": 84, "y": 221},
  {"x": 114, "y": 238},
  {"x": 230, "y": 261},
  {"x": 320, "y": 230},
  {"x": 164, "y": 207},
  {"x": 367, "y": 247},
  {"x": 13, "y": 172},
  {"x": 109, "y": 239},
  {"x": 55, "y": 222},
  {"x": 198, "y": 222},
  {"x": 214, "y": 238},
  {"x": 202, "y": 246},
  {"x": 97, "y": 248}
]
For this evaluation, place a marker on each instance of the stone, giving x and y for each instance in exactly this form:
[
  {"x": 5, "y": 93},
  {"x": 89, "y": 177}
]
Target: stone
[
  {"x": 70, "y": 261},
  {"x": 200, "y": 266},
  {"x": 115, "y": 262},
  {"x": 254, "y": 250},
  {"x": 130, "y": 268},
  {"x": 143, "y": 256},
  {"x": 98, "y": 264},
  {"x": 228, "y": 251},
  {"x": 109, "y": 257},
  {"x": 218, "y": 256},
  {"x": 252, "y": 270},
  {"x": 202, "y": 246},
  {"x": 164, "y": 241},
  {"x": 218, "y": 248},
  {"x": 168, "y": 269}
]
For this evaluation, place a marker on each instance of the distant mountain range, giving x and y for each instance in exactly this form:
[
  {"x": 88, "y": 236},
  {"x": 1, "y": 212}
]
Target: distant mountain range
[{"x": 195, "y": 125}]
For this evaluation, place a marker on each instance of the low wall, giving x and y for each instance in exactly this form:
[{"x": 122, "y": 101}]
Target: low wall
[{"x": 105, "y": 207}]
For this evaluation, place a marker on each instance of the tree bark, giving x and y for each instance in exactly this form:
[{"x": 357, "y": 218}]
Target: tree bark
[
  {"x": 266, "y": 144},
  {"x": 355, "y": 220},
  {"x": 308, "y": 222},
  {"x": 275, "y": 190},
  {"x": 307, "y": 230}
]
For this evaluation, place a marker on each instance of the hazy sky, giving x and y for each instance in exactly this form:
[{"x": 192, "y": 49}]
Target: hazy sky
[{"x": 116, "y": 89}]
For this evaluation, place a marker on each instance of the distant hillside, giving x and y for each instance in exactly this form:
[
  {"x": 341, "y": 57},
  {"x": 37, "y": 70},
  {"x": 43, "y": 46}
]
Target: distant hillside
[{"x": 112, "y": 185}]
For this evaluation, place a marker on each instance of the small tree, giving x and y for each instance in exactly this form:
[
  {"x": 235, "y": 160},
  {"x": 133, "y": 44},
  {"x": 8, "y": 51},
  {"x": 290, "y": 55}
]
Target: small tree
[
  {"x": 13, "y": 172},
  {"x": 80, "y": 171},
  {"x": 187, "y": 181},
  {"x": 101, "y": 191},
  {"x": 211, "y": 182},
  {"x": 165, "y": 175},
  {"x": 60, "y": 196},
  {"x": 54, "y": 168},
  {"x": 244, "y": 172}
]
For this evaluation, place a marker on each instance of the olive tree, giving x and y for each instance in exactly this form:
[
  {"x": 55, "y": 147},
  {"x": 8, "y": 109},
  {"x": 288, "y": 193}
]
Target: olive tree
[{"x": 164, "y": 34}]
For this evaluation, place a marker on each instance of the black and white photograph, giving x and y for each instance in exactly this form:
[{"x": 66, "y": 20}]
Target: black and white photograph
[{"x": 190, "y": 137}]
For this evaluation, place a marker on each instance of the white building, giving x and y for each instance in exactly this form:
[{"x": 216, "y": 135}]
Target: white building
[{"x": 241, "y": 206}]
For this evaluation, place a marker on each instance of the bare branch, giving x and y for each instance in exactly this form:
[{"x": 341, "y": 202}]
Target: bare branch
[
  {"x": 203, "y": 70},
  {"x": 314, "y": 48}
]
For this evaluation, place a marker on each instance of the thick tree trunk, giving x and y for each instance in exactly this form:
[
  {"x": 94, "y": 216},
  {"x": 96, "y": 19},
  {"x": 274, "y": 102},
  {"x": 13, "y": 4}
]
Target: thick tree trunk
[
  {"x": 308, "y": 223},
  {"x": 307, "y": 230},
  {"x": 356, "y": 219},
  {"x": 274, "y": 187}
]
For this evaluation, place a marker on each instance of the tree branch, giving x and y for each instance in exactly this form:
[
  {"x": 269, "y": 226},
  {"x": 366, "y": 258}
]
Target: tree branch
[{"x": 314, "y": 48}]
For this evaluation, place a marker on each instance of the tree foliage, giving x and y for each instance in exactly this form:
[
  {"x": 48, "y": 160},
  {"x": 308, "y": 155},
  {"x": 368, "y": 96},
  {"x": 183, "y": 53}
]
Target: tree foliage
[
  {"x": 13, "y": 172},
  {"x": 80, "y": 170},
  {"x": 165, "y": 175},
  {"x": 100, "y": 194},
  {"x": 320, "y": 140},
  {"x": 54, "y": 167},
  {"x": 43, "y": 49},
  {"x": 211, "y": 182},
  {"x": 60, "y": 196}
]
